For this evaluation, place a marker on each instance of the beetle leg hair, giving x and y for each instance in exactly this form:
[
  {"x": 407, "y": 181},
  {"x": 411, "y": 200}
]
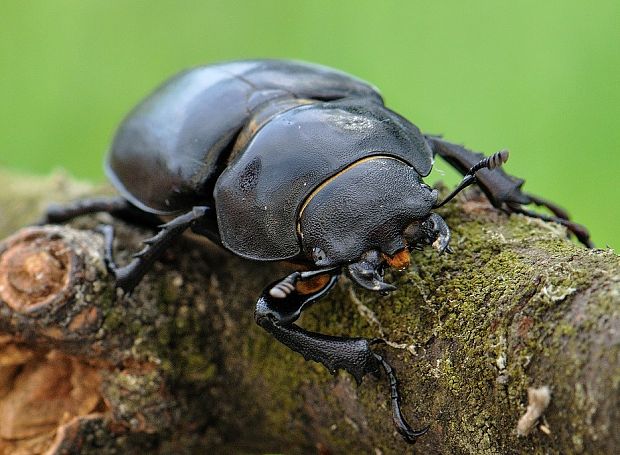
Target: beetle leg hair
[
  {"x": 502, "y": 189},
  {"x": 128, "y": 276},
  {"x": 280, "y": 305}
]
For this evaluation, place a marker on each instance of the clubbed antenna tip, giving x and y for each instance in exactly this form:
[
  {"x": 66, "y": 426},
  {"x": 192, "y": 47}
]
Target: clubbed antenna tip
[
  {"x": 499, "y": 158},
  {"x": 490, "y": 162}
]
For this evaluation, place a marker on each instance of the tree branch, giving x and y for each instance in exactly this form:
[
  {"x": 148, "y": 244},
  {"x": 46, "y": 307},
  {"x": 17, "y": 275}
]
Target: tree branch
[{"x": 179, "y": 366}]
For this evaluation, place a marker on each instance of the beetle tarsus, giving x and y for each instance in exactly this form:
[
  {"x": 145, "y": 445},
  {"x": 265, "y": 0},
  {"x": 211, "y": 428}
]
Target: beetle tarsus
[
  {"x": 576, "y": 229},
  {"x": 555, "y": 209},
  {"x": 404, "y": 429}
]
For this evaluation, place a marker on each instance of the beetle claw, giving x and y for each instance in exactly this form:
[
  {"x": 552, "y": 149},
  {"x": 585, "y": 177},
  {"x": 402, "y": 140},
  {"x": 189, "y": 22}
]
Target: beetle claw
[
  {"x": 367, "y": 274},
  {"x": 373, "y": 282},
  {"x": 432, "y": 231},
  {"x": 441, "y": 242}
]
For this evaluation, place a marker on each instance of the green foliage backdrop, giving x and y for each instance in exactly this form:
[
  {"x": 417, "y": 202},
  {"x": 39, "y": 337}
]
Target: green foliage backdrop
[{"x": 539, "y": 78}]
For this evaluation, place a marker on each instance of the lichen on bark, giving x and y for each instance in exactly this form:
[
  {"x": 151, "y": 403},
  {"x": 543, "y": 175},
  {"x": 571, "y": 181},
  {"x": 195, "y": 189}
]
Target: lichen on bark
[{"x": 184, "y": 369}]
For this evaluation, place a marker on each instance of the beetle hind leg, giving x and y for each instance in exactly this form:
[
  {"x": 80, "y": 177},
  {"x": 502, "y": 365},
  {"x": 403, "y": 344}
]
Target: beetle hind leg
[
  {"x": 579, "y": 231},
  {"x": 561, "y": 217},
  {"x": 555, "y": 209},
  {"x": 116, "y": 206},
  {"x": 281, "y": 304}
]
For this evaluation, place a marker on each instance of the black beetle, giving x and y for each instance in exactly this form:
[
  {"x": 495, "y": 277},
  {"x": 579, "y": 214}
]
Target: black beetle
[{"x": 281, "y": 160}]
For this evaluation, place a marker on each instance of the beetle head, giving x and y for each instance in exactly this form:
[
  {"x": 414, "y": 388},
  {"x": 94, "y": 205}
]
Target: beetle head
[
  {"x": 432, "y": 231},
  {"x": 366, "y": 215},
  {"x": 368, "y": 270}
]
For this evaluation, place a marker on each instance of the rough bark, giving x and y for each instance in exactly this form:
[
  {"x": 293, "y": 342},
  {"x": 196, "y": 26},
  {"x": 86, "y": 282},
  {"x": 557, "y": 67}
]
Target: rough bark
[{"x": 180, "y": 367}]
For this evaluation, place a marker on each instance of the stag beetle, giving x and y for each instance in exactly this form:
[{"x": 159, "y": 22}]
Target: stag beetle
[{"x": 281, "y": 160}]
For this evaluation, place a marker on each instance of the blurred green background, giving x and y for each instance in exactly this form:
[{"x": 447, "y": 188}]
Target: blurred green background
[{"x": 539, "y": 78}]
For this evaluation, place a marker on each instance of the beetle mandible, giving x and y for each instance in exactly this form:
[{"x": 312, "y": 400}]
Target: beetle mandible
[{"x": 281, "y": 160}]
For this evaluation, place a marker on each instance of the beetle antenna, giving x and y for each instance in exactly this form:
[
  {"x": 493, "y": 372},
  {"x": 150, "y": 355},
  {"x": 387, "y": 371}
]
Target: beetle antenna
[{"x": 490, "y": 162}]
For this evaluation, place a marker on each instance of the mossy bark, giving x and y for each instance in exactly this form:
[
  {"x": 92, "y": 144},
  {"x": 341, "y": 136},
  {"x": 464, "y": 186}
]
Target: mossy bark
[{"x": 183, "y": 368}]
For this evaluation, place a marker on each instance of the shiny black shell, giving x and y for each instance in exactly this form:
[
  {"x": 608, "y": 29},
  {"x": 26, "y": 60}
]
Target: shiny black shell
[
  {"x": 258, "y": 196},
  {"x": 168, "y": 152},
  {"x": 254, "y": 138}
]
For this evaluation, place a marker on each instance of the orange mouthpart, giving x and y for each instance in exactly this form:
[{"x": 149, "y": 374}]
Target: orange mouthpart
[{"x": 400, "y": 260}]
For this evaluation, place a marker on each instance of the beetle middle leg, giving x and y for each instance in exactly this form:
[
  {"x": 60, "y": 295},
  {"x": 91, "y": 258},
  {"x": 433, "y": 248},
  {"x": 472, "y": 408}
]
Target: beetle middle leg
[
  {"x": 503, "y": 190},
  {"x": 282, "y": 303},
  {"x": 128, "y": 276}
]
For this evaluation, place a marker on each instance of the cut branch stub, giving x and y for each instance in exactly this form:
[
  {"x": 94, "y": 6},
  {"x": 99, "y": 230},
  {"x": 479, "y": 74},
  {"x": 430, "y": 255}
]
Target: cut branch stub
[
  {"x": 35, "y": 271},
  {"x": 48, "y": 276},
  {"x": 61, "y": 379}
]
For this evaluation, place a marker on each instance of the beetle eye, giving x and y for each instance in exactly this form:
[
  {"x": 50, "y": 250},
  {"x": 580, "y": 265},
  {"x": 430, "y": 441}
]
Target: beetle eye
[{"x": 319, "y": 256}]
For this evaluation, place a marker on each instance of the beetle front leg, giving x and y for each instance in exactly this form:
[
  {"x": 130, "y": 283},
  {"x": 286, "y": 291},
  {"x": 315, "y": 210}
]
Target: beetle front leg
[
  {"x": 281, "y": 304},
  {"x": 503, "y": 190}
]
